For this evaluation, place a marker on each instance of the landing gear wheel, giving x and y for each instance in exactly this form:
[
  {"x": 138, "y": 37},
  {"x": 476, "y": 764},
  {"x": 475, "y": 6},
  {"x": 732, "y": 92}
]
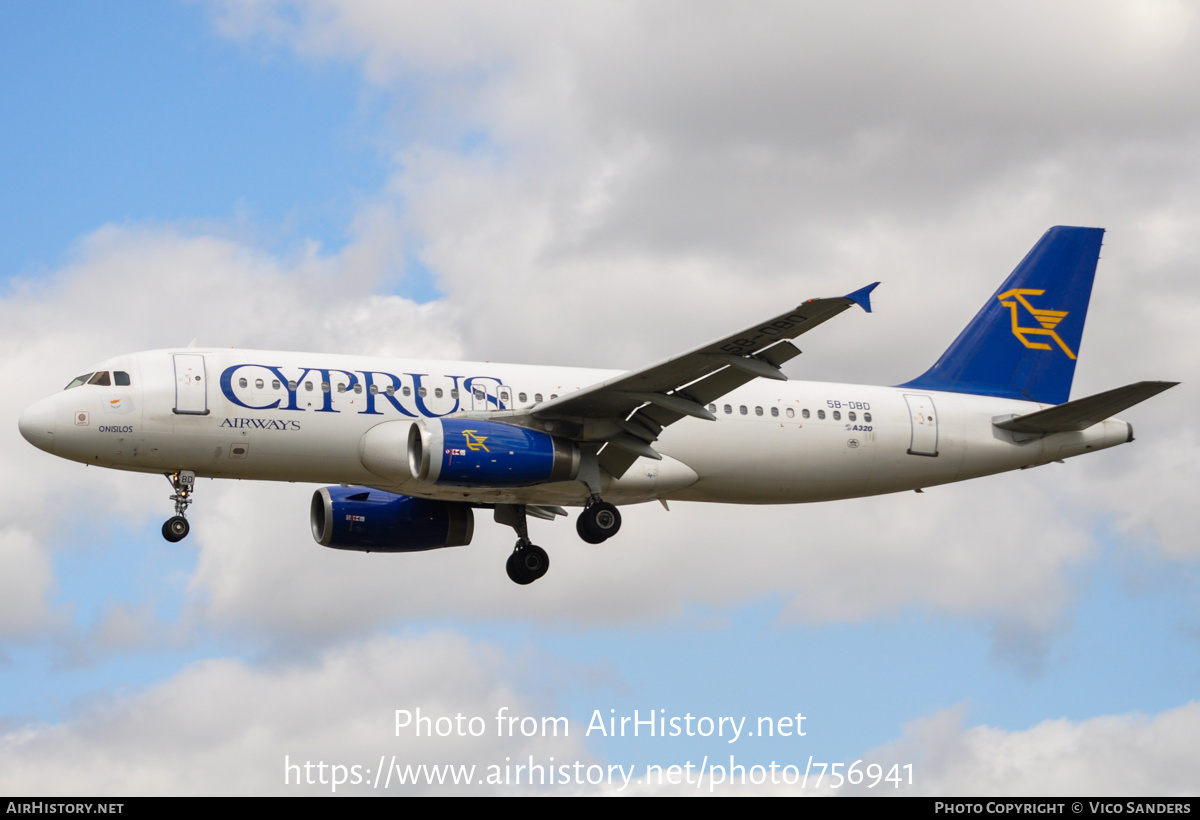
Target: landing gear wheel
[
  {"x": 527, "y": 564},
  {"x": 176, "y": 528},
  {"x": 598, "y": 522},
  {"x": 584, "y": 533}
]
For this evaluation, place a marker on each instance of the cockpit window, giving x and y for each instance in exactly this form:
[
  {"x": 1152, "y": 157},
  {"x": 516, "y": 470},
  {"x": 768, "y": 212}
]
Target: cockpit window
[
  {"x": 120, "y": 378},
  {"x": 78, "y": 380},
  {"x": 101, "y": 378}
]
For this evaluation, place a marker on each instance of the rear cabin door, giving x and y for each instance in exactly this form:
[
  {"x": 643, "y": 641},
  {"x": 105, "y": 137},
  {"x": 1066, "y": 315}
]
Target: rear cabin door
[{"x": 923, "y": 416}]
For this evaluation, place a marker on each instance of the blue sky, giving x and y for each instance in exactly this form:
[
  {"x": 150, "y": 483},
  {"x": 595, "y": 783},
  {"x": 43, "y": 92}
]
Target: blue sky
[
  {"x": 141, "y": 113},
  {"x": 463, "y": 182}
]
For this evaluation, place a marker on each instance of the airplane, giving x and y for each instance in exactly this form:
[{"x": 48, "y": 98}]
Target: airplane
[{"x": 410, "y": 449}]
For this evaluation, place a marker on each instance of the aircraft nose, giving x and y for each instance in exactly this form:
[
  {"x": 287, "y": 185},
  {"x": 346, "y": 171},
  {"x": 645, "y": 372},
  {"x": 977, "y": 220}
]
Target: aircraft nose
[{"x": 37, "y": 424}]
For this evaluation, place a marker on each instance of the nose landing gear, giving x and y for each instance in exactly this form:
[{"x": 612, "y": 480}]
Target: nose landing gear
[{"x": 176, "y": 528}]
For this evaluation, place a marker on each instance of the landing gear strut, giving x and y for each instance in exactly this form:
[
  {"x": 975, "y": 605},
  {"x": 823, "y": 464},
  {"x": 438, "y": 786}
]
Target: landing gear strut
[
  {"x": 528, "y": 561},
  {"x": 176, "y": 528},
  {"x": 598, "y": 522}
]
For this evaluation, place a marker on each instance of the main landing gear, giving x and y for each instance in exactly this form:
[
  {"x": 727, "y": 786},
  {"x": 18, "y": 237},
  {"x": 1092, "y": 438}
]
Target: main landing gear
[
  {"x": 176, "y": 528},
  {"x": 528, "y": 561},
  {"x": 598, "y": 522}
]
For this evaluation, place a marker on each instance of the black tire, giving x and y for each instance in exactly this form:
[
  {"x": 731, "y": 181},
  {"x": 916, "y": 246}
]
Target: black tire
[
  {"x": 527, "y": 564},
  {"x": 536, "y": 560},
  {"x": 176, "y": 528},
  {"x": 584, "y": 533},
  {"x": 599, "y": 522},
  {"x": 515, "y": 573}
]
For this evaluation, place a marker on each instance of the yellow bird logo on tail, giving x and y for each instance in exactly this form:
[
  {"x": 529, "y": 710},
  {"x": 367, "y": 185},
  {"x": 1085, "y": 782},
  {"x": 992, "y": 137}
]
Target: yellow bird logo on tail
[{"x": 1047, "y": 319}]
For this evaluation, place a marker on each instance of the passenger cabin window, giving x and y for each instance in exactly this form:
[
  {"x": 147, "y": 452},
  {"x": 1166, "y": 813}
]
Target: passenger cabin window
[
  {"x": 867, "y": 417},
  {"x": 437, "y": 394},
  {"x": 775, "y": 412},
  {"x": 728, "y": 409},
  {"x": 324, "y": 387},
  {"x": 837, "y": 415},
  {"x": 258, "y": 384},
  {"x": 791, "y": 414},
  {"x": 712, "y": 408},
  {"x": 820, "y": 414},
  {"x": 374, "y": 390},
  {"x": 803, "y": 413},
  {"x": 120, "y": 378},
  {"x": 358, "y": 389},
  {"x": 758, "y": 411},
  {"x": 274, "y": 384},
  {"x": 292, "y": 385},
  {"x": 537, "y": 397},
  {"x": 341, "y": 387},
  {"x": 243, "y": 383},
  {"x": 308, "y": 386},
  {"x": 454, "y": 393},
  {"x": 422, "y": 392},
  {"x": 78, "y": 380},
  {"x": 391, "y": 391},
  {"x": 522, "y": 397},
  {"x": 742, "y": 409},
  {"x": 851, "y": 416},
  {"x": 407, "y": 391},
  {"x": 101, "y": 379}
]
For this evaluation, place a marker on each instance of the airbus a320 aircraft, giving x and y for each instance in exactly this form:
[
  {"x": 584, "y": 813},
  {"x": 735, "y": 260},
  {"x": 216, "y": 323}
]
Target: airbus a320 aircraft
[{"x": 412, "y": 448}]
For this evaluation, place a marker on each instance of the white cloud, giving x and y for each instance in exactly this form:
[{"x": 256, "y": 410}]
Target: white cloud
[
  {"x": 224, "y": 727},
  {"x": 1110, "y": 755},
  {"x": 25, "y": 582}
]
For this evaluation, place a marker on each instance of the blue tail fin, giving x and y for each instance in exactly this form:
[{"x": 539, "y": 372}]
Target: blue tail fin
[{"x": 1024, "y": 342}]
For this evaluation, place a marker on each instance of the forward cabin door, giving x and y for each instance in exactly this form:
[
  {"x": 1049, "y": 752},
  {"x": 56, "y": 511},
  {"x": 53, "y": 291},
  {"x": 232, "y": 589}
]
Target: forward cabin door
[{"x": 191, "y": 388}]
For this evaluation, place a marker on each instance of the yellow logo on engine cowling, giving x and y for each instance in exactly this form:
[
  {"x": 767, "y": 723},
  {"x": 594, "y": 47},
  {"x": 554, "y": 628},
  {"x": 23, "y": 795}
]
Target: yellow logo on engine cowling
[
  {"x": 1048, "y": 319},
  {"x": 474, "y": 441}
]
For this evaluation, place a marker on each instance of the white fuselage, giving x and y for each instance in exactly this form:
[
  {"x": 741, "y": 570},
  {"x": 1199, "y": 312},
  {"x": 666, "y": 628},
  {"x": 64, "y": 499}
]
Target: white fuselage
[{"x": 301, "y": 417}]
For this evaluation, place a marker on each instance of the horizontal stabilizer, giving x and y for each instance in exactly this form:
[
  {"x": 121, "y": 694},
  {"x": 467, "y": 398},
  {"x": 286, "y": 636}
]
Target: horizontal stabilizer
[{"x": 1083, "y": 413}]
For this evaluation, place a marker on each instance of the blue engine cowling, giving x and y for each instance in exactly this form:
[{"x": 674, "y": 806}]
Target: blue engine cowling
[
  {"x": 477, "y": 453},
  {"x": 358, "y": 518}
]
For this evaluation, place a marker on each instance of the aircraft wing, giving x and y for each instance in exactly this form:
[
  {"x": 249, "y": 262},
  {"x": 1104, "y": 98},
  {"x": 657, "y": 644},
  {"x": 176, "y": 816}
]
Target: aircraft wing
[{"x": 663, "y": 393}]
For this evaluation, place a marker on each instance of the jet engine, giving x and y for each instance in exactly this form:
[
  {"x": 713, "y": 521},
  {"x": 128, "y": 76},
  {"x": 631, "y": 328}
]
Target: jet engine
[
  {"x": 476, "y": 453},
  {"x": 358, "y": 518}
]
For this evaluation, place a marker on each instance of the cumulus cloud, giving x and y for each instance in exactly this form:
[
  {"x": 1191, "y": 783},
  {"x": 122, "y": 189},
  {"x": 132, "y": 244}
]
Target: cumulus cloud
[
  {"x": 1110, "y": 755},
  {"x": 224, "y": 727}
]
